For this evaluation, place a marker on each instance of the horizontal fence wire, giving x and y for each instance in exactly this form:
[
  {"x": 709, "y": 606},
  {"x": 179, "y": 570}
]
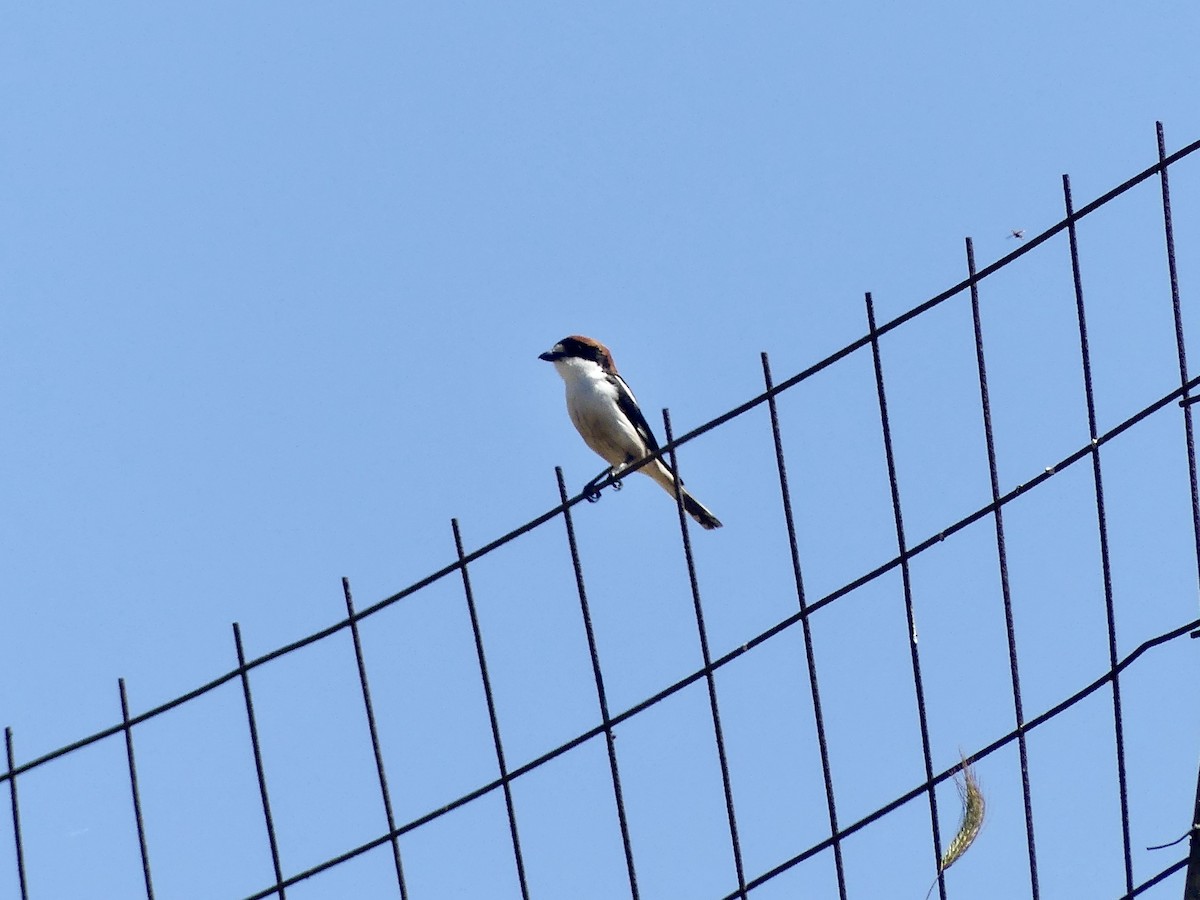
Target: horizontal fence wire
[
  {"x": 907, "y": 550},
  {"x": 1157, "y": 879},
  {"x": 982, "y": 753},
  {"x": 910, "y": 795},
  {"x": 685, "y": 438}
]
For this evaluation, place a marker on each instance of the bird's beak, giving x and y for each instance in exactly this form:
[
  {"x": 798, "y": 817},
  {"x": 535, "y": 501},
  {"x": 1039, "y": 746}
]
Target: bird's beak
[{"x": 549, "y": 356}]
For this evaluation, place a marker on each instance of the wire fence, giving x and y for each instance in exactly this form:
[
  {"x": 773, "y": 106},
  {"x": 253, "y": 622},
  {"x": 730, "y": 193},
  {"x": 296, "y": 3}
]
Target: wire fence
[{"x": 745, "y": 878}]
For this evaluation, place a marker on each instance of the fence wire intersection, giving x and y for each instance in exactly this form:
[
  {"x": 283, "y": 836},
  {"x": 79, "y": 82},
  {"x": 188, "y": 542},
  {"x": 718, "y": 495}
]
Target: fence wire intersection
[{"x": 745, "y": 882}]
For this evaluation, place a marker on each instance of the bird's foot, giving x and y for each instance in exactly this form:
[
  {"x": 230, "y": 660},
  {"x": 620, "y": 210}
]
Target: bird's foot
[
  {"x": 616, "y": 472},
  {"x": 591, "y": 490}
]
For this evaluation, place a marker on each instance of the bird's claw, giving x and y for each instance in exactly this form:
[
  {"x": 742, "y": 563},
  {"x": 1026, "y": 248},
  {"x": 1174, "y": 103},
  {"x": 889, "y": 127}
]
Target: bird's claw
[{"x": 591, "y": 490}]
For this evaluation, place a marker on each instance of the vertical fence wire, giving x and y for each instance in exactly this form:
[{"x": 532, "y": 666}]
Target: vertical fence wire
[
  {"x": 1102, "y": 527},
  {"x": 376, "y": 748},
  {"x": 806, "y": 627},
  {"x": 539, "y": 520},
  {"x": 601, "y": 695},
  {"x": 609, "y": 720},
  {"x": 1192, "y": 884},
  {"x": 710, "y": 676},
  {"x": 16, "y": 813},
  {"x": 258, "y": 762},
  {"x": 491, "y": 705},
  {"x": 133, "y": 785},
  {"x": 906, "y": 581},
  {"x": 1002, "y": 558},
  {"x": 1181, "y": 349}
]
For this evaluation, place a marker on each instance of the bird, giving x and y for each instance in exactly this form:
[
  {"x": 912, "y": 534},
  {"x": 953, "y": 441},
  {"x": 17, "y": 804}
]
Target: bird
[
  {"x": 1018, "y": 233},
  {"x": 607, "y": 417}
]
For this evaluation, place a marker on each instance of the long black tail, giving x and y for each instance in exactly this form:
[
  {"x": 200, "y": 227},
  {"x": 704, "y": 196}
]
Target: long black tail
[
  {"x": 697, "y": 511},
  {"x": 693, "y": 507}
]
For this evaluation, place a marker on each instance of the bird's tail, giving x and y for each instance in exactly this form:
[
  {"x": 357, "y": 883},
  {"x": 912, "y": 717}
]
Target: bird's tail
[
  {"x": 693, "y": 507},
  {"x": 698, "y": 511}
]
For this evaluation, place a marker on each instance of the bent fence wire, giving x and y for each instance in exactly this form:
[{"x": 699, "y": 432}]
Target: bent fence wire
[{"x": 1029, "y": 800}]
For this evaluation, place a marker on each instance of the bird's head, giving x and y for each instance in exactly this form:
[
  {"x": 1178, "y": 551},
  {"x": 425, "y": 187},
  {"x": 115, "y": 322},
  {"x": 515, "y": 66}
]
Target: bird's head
[{"x": 576, "y": 350}]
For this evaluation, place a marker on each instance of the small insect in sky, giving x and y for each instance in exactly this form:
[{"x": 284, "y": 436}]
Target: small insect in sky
[{"x": 1017, "y": 233}]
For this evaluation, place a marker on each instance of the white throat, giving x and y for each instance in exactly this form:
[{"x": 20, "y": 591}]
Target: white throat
[{"x": 574, "y": 370}]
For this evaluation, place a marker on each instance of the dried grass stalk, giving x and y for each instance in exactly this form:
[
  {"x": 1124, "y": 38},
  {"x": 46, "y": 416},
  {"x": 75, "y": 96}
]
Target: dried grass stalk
[
  {"x": 974, "y": 809},
  {"x": 972, "y": 817}
]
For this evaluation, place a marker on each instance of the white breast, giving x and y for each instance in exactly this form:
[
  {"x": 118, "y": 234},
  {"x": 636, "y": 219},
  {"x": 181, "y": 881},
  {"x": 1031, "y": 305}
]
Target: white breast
[{"x": 592, "y": 406}]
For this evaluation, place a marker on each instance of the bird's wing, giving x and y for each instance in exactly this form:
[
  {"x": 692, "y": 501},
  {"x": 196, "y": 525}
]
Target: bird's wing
[{"x": 629, "y": 406}]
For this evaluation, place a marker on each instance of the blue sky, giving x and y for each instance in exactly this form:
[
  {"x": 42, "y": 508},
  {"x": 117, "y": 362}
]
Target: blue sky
[{"x": 275, "y": 280}]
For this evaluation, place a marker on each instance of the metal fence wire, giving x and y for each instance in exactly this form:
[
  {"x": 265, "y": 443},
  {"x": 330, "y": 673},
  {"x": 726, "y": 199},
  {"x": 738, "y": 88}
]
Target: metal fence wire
[{"x": 1134, "y": 680}]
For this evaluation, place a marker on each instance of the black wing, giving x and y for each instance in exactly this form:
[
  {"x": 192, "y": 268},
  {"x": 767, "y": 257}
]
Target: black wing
[{"x": 629, "y": 407}]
